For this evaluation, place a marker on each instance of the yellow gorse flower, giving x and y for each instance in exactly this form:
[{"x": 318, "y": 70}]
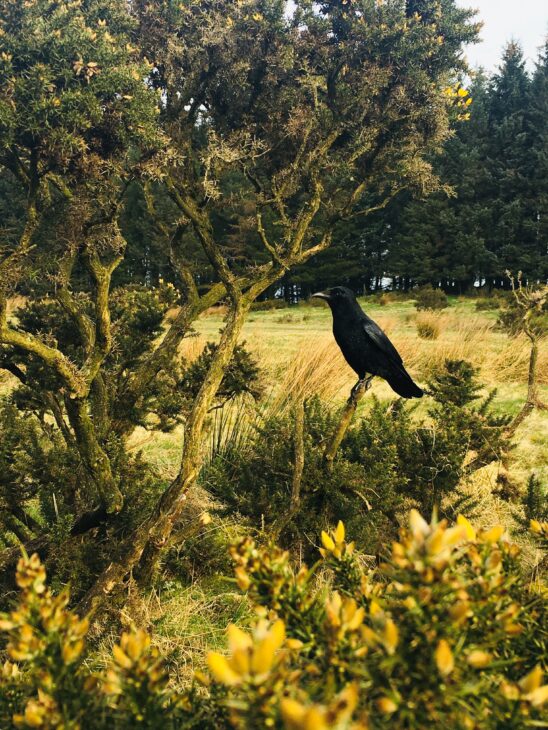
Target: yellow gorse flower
[
  {"x": 428, "y": 545},
  {"x": 444, "y": 658},
  {"x": 386, "y": 706},
  {"x": 479, "y": 659},
  {"x": 135, "y": 662},
  {"x": 529, "y": 689},
  {"x": 539, "y": 528},
  {"x": 334, "y": 544},
  {"x": 252, "y": 656},
  {"x": 343, "y": 614},
  {"x": 40, "y": 712},
  {"x": 298, "y": 716}
]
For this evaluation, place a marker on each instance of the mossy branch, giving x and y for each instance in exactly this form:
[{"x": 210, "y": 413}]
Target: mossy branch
[
  {"x": 357, "y": 393},
  {"x": 528, "y": 302}
]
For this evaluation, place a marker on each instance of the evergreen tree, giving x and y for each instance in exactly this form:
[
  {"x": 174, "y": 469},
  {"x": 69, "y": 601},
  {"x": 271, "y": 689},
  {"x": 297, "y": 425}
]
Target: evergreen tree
[
  {"x": 509, "y": 234},
  {"x": 537, "y": 224},
  {"x": 441, "y": 240}
]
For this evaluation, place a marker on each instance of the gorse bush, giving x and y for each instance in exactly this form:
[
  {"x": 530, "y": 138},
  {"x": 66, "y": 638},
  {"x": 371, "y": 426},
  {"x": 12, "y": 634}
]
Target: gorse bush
[
  {"x": 446, "y": 630},
  {"x": 427, "y": 297},
  {"x": 47, "y": 488},
  {"x": 267, "y": 305},
  {"x": 511, "y": 318},
  {"x": 388, "y": 461},
  {"x": 491, "y": 303}
]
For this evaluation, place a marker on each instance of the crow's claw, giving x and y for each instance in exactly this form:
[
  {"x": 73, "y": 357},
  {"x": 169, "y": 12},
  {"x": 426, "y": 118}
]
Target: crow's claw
[{"x": 362, "y": 385}]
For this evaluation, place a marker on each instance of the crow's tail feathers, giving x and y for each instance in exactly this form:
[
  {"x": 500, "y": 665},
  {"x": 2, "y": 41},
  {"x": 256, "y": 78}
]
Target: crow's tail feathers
[{"x": 400, "y": 381}]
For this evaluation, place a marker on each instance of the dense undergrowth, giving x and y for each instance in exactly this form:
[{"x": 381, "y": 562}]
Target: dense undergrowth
[
  {"x": 445, "y": 629},
  {"x": 445, "y": 626},
  {"x": 388, "y": 462}
]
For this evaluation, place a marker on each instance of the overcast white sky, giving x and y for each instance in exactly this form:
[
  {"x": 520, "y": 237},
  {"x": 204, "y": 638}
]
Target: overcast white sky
[{"x": 525, "y": 21}]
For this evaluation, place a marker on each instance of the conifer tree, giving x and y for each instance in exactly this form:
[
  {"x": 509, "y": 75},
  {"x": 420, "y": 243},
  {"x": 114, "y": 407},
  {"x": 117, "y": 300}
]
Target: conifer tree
[{"x": 509, "y": 234}]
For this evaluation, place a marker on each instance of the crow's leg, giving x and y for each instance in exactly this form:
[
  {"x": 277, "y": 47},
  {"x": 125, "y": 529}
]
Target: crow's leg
[{"x": 362, "y": 384}]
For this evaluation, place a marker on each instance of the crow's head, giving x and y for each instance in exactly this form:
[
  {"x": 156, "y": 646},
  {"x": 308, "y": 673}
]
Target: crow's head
[{"x": 338, "y": 297}]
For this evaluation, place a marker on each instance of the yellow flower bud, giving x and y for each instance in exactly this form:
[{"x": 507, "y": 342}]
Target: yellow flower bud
[
  {"x": 221, "y": 670},
  {"x": 444, "y": 658},
  {"x": 121, "y": 658},
  {"x": 294, "y": 644},
  {"x": 293, "y": 712},
  {"x": 470, "y": 532},
  {"x": 479, "y": 659},
  {"x": 538, "y": 696},
  {"x": 390, "y": 636},
  {"x": 242, "y": 578},
  {"x": 327, "y": 541},
  {"x": 386, "y": 706},
  {"x": 339, "y": 533},
  {"x": 238, "y": 639},
  {"x": 72, "y": 651},
  {"x": 531, "y": 681},
  {"x": 493, "y": 535}
]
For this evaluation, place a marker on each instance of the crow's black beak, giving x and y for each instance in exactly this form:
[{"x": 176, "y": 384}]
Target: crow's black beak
[{"x": 321, "y": 295}]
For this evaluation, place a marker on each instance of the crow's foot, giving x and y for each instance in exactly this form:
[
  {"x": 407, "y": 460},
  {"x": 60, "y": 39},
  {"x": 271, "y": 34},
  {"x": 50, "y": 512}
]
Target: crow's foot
[{"x": 361, "y": 386}]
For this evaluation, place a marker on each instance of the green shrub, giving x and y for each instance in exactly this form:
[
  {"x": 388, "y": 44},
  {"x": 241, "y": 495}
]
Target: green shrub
[
  {"x": 241, "y": 375},
  {"x": 488, "y": 304},
  {"x": 267, "y": 305},
  {"x": 429, "y": 298},
  {"x": 389, "y": 297},
  {"x": 46, "y": 487},
  {"x": 511, "y": 319},
  {"x": 387, "y": 459},
  {"x": 314, "y": 302},
  {"x": 534, "y": 503}
]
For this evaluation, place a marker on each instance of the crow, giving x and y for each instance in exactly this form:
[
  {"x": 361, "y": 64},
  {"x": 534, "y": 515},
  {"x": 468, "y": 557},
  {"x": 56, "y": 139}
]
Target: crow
[{"x": 364, "y": 345}]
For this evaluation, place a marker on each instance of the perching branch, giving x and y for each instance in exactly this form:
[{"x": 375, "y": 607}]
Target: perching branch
[
  {"x": 357, "y": 393},
  {"x": 529, "y": 302}
]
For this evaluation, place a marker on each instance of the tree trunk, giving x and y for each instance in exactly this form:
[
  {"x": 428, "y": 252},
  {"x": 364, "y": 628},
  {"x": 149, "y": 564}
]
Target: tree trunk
[
  {"x": 146, "y": 543},
  {"x": 93, "y": 456},
  {"x": 532, "y": 400}
]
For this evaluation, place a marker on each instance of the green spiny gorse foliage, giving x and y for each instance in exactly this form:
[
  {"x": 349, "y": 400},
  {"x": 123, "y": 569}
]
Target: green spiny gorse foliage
[
  {"x": 43, "y": 484},
  {"x": 388, "y": 460},
  {"x": 429, "y": 298}
]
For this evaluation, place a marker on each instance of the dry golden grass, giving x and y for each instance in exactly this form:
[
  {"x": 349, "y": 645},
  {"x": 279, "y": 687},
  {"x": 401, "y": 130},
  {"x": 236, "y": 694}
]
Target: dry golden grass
[
  {"x": 191, "y": 347},
  {"x": 318, "y": 368},
  {"x": 15, "y": 303},
  {"x": 428, "y": 325}
]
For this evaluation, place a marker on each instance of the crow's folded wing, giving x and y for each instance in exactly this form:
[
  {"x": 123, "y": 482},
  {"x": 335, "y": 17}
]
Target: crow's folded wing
[{"x": 374, "y": 332}]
